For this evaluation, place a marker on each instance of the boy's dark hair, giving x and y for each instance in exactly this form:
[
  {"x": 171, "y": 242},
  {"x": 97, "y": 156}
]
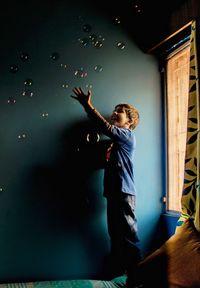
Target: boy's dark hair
[{"x": 131, "y": 112}]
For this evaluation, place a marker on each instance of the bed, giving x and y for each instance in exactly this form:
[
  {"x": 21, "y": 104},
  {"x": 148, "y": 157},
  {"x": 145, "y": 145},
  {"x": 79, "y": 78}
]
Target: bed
[
  {"x": 118, "y": 282},
  {"x": 175, "y": 264}
]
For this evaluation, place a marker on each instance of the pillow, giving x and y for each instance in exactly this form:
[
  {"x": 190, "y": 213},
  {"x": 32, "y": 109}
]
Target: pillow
[{"x": 176, "y": 263}]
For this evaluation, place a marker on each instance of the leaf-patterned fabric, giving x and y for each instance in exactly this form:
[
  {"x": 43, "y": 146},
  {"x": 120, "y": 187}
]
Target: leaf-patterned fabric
[{"x": 190, "y": 200}]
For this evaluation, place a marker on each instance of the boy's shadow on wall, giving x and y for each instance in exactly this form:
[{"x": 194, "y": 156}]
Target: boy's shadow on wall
[{"x": 63, "y": 188}]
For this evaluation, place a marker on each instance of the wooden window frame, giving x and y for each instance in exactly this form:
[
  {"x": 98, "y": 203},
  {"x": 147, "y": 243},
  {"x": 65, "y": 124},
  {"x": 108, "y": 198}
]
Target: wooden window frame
[
  {"x": 163, "y": 51},
  {"x": 177, "y": 88}
]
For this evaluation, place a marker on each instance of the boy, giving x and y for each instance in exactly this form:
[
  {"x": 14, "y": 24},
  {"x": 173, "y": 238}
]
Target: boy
[{"x": 119, "y": 183}]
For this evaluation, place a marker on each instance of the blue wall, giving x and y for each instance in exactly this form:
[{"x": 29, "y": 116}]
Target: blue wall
[{"x": 52, "y": 212}]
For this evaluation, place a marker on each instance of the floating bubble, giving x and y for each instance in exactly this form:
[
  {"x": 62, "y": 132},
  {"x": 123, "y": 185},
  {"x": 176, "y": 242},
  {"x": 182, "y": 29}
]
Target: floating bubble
[
  {"x": 121, "y": 45},
  {"x": 117, "y": 20},
  {"x": 63, "y": 66},
  {"x": 93, "y": 137},
  {"x": 27, "y": 93},
  {"x": 137, "y": 8},
  {"x": 96, "y": 40},
  {"x": 93, "y": 37},
  {"x": 98, "y": 44},
  {"x": 88, "y": 86},
  {"x": 80, "y": 73},
  {"x": 98, "y": 68},
  {"x": 11, "y": 100},
  {"x": 21, "y": 136},
  {"x": 24, "y": 56},
  {"x": 101, "y": 37},
  {"x": 28, "y": 82},
  {"x": 55, "y": 56},
  {"x": 87, "y": 28},
  {"x": 14, "y": 68},
  {"x": 84, "y": 41},
  {"x": 64, "y": 85},
  {"x": 45, "y": 115}
]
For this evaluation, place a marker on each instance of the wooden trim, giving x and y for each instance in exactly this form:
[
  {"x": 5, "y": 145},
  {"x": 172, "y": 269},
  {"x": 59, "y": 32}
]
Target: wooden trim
[{"x": 169, "y": 37}]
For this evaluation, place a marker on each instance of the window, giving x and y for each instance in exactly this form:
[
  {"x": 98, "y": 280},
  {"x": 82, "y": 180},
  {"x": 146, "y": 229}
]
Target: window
[{"x": 177, "y": 87}]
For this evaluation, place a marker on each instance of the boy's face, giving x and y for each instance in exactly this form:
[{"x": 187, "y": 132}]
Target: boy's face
[{"x": 119, "y": 118}]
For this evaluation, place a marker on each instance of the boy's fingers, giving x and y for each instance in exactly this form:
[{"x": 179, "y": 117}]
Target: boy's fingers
[
  {"x": 73, "y": 96},
  {"x": 76, "y": 90}
]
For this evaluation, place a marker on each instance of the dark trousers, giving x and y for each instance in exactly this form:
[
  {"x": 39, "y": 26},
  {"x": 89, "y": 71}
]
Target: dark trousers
[{"x": 122, "y": 228}]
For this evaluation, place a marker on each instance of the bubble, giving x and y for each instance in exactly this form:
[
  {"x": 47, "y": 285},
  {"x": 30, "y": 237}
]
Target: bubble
[
  {"x": 28, "y": 82},
  {"x": 97, "y": 40},
  {"x": 87, "y": 28},
  {"x": 137, "y": 8},
  {"x": 80, "y": 73},
  {"x": 117, "y": 20},
  {"x": 64, "y": 85},
  {"x": 84, "y": 41},
  {"x": 93, "y": 137},
  {"x": 88, "y": 86},
  {"x": 45, "y": 115},
  {"x": 55, "y": 56},
  {"x": 98, "y": 68},
  {"x": 27, "y": 93},
  {"x": 21, "y": 136},
  {"x": 24, "y": 56},
  {"x": 121, "y": 45},
  {"x": 11, "y": 100},
  {"x": 98, "y": 44},
  {"x": 1, "y": 189},
  {"x": 14, "y": 68},
  {"x": 93, "y": 37},
  {"x": 64, "y": 66}
]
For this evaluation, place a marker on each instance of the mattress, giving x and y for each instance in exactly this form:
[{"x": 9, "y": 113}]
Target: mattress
[{"x": 79, "y": 283}]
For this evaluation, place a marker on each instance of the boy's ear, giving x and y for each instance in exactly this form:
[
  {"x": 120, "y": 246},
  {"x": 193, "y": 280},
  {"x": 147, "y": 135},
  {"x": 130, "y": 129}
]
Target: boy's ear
[{"x": 130, "y": 122}]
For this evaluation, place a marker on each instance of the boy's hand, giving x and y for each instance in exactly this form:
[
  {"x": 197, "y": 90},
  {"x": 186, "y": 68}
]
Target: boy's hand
[{"x": 82, "y": 98}]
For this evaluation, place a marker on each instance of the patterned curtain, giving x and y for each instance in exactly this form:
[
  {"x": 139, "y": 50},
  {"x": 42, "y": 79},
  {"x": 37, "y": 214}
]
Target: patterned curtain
[{"x": 190, "y": 201}]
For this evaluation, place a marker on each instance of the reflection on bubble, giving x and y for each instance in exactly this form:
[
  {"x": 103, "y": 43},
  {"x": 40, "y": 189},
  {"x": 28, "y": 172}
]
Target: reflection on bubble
[
  {"x": 27, "y": 93},
  {"x": 87, "y": 28},
  {"x": 28, "y": 82},
  {"x": 121, "y": 45},
  {"x": 96, "y": 40},
  {"x": 93, "y": 137},
  {"x": 1, "y": 189},
  {"x": 98, "y": 68},
  {"x": 84, "y": 41},
  {"x": 137, "y": 8},
  {"x": 98, "y": 44},
  {"x": 21, "y": 136},
  {"x": 11, "y": 100},
  {"x": 24, "y": 56},
  {"x": 45, "y": 115},
  {"x": 63, "y": 66},
  {"x": 80, "y": 73},
  {"x": 117, "y": 20},
  {"x": 64, "y": 85},
  {"x": 14, "y": 68},
  {"x": 93, "y": 37},
  {"x": 55, "y": 56},
  {"x": 88, "y": 86}
]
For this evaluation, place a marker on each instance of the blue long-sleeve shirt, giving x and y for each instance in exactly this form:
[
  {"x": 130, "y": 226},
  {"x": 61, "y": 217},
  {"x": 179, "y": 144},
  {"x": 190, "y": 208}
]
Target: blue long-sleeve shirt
[{"x": 119, "y": 170}]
